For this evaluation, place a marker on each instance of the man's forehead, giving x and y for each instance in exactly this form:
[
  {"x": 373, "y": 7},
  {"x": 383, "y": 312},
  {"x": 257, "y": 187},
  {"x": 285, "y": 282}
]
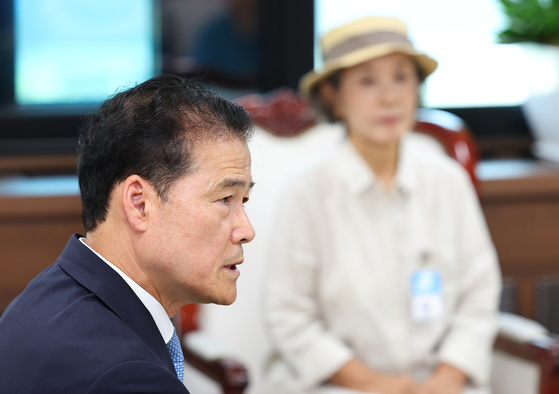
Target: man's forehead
[
  {"x": 223, "y": 163},
  {"x": 209, "y": 148}
]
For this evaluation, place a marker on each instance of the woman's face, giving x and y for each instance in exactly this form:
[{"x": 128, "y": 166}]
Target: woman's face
[{"x": 377, "y": 99}]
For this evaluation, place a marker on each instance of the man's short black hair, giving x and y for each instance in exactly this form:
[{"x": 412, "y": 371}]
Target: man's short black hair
[{"x": 150, "y": 130}]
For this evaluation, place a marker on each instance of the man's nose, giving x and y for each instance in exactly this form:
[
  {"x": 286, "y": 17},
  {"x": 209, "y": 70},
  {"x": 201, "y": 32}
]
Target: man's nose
[{"x": 244, "y": 232}]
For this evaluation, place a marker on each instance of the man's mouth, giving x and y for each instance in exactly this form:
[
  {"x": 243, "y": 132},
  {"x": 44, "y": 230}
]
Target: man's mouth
[{"x": 232, "y": 267}]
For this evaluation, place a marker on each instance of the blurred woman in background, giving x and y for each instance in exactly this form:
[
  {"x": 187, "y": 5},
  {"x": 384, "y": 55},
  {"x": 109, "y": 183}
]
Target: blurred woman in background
[{"x": 383, "y": 277}]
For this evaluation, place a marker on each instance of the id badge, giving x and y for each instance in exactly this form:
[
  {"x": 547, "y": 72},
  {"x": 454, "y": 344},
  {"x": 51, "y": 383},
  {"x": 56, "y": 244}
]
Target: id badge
[{"x": 426, "y": 296}]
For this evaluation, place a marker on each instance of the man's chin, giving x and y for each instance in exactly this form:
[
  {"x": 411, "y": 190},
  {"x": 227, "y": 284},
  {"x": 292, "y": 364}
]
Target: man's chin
[
  {"x": 221, "y": 299},
  {"x": 227, "y": 300}
]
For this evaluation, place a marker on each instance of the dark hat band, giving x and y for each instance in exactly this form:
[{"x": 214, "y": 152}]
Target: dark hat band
[{"x": 365, "y": 40}]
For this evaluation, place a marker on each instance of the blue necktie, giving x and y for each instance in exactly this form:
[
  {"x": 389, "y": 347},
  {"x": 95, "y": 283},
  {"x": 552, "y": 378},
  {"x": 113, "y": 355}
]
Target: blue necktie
[{"x": 174, "y": 346}]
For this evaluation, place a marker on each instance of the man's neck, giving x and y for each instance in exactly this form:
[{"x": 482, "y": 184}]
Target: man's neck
[{"x": 117, "y": 248}]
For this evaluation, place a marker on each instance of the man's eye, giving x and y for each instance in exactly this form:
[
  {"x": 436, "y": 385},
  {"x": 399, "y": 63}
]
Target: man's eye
[{"x": 227, "y": 200}]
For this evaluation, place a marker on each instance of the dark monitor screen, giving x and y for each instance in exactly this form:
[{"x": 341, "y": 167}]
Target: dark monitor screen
[{"x": 60, "y": 58}]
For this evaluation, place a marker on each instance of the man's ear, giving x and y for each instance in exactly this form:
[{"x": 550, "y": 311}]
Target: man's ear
[{"x": 138, "y": 199}]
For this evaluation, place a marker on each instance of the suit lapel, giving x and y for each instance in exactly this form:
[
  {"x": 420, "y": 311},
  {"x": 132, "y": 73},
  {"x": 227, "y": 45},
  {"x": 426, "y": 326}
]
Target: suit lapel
[{"x": 92, "y": 273}]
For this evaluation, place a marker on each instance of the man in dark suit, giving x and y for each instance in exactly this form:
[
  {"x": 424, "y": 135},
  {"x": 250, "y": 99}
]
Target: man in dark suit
[{"x": 164, "y": 171}]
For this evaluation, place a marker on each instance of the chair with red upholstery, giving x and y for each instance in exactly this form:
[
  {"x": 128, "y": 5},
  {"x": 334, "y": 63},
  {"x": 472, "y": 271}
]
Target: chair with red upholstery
[
  {"x": 454, "y": 136},
  {"x": 226, "y": 371}
]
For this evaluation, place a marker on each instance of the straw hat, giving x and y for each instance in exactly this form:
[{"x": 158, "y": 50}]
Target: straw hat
[{"x": 359, "y": 41}]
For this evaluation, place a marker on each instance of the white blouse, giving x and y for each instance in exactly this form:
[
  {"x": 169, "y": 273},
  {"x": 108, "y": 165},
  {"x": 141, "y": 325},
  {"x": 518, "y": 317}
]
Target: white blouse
[{"x": 343, "y": 254}]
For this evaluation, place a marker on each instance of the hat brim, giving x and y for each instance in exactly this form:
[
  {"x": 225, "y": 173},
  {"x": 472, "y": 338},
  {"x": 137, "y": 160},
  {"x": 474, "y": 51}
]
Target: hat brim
[{"x": 311, "y": 79}]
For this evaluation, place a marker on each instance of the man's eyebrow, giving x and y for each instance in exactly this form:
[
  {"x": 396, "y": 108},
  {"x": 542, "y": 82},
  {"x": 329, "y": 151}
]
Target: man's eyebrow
[{"x": 231, "y": 182}]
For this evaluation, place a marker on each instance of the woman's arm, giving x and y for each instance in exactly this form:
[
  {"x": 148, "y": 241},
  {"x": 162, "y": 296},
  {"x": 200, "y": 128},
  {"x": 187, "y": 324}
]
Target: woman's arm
[
  {"x": 293, "y": 311},
  {"x": 468, "y": 344}
]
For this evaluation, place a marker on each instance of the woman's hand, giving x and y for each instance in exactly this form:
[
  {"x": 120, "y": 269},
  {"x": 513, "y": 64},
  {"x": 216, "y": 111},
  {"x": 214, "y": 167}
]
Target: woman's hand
[
  {"x": 358, "y": 376},
  {"x": 393, "y": 384},
  {"x": 446, "y": 380}
]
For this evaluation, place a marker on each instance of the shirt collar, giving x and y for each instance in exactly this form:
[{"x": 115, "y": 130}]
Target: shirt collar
[
  {"x": 152, "y": 305},
  {"x": 360, "y": 178}
]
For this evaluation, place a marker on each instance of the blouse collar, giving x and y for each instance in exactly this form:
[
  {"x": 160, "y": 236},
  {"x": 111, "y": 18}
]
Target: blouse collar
[{"x": 360, "y": 177}]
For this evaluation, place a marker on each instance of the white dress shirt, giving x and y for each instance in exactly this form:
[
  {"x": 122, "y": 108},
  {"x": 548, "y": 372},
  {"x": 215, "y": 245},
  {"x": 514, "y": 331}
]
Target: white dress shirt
[
  {"x": 343, "y": 252},
  {"x": 156, "y": 310}
]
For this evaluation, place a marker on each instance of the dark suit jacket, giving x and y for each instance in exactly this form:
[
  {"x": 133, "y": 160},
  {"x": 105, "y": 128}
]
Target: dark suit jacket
[{"x": 79, "y": 328}]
